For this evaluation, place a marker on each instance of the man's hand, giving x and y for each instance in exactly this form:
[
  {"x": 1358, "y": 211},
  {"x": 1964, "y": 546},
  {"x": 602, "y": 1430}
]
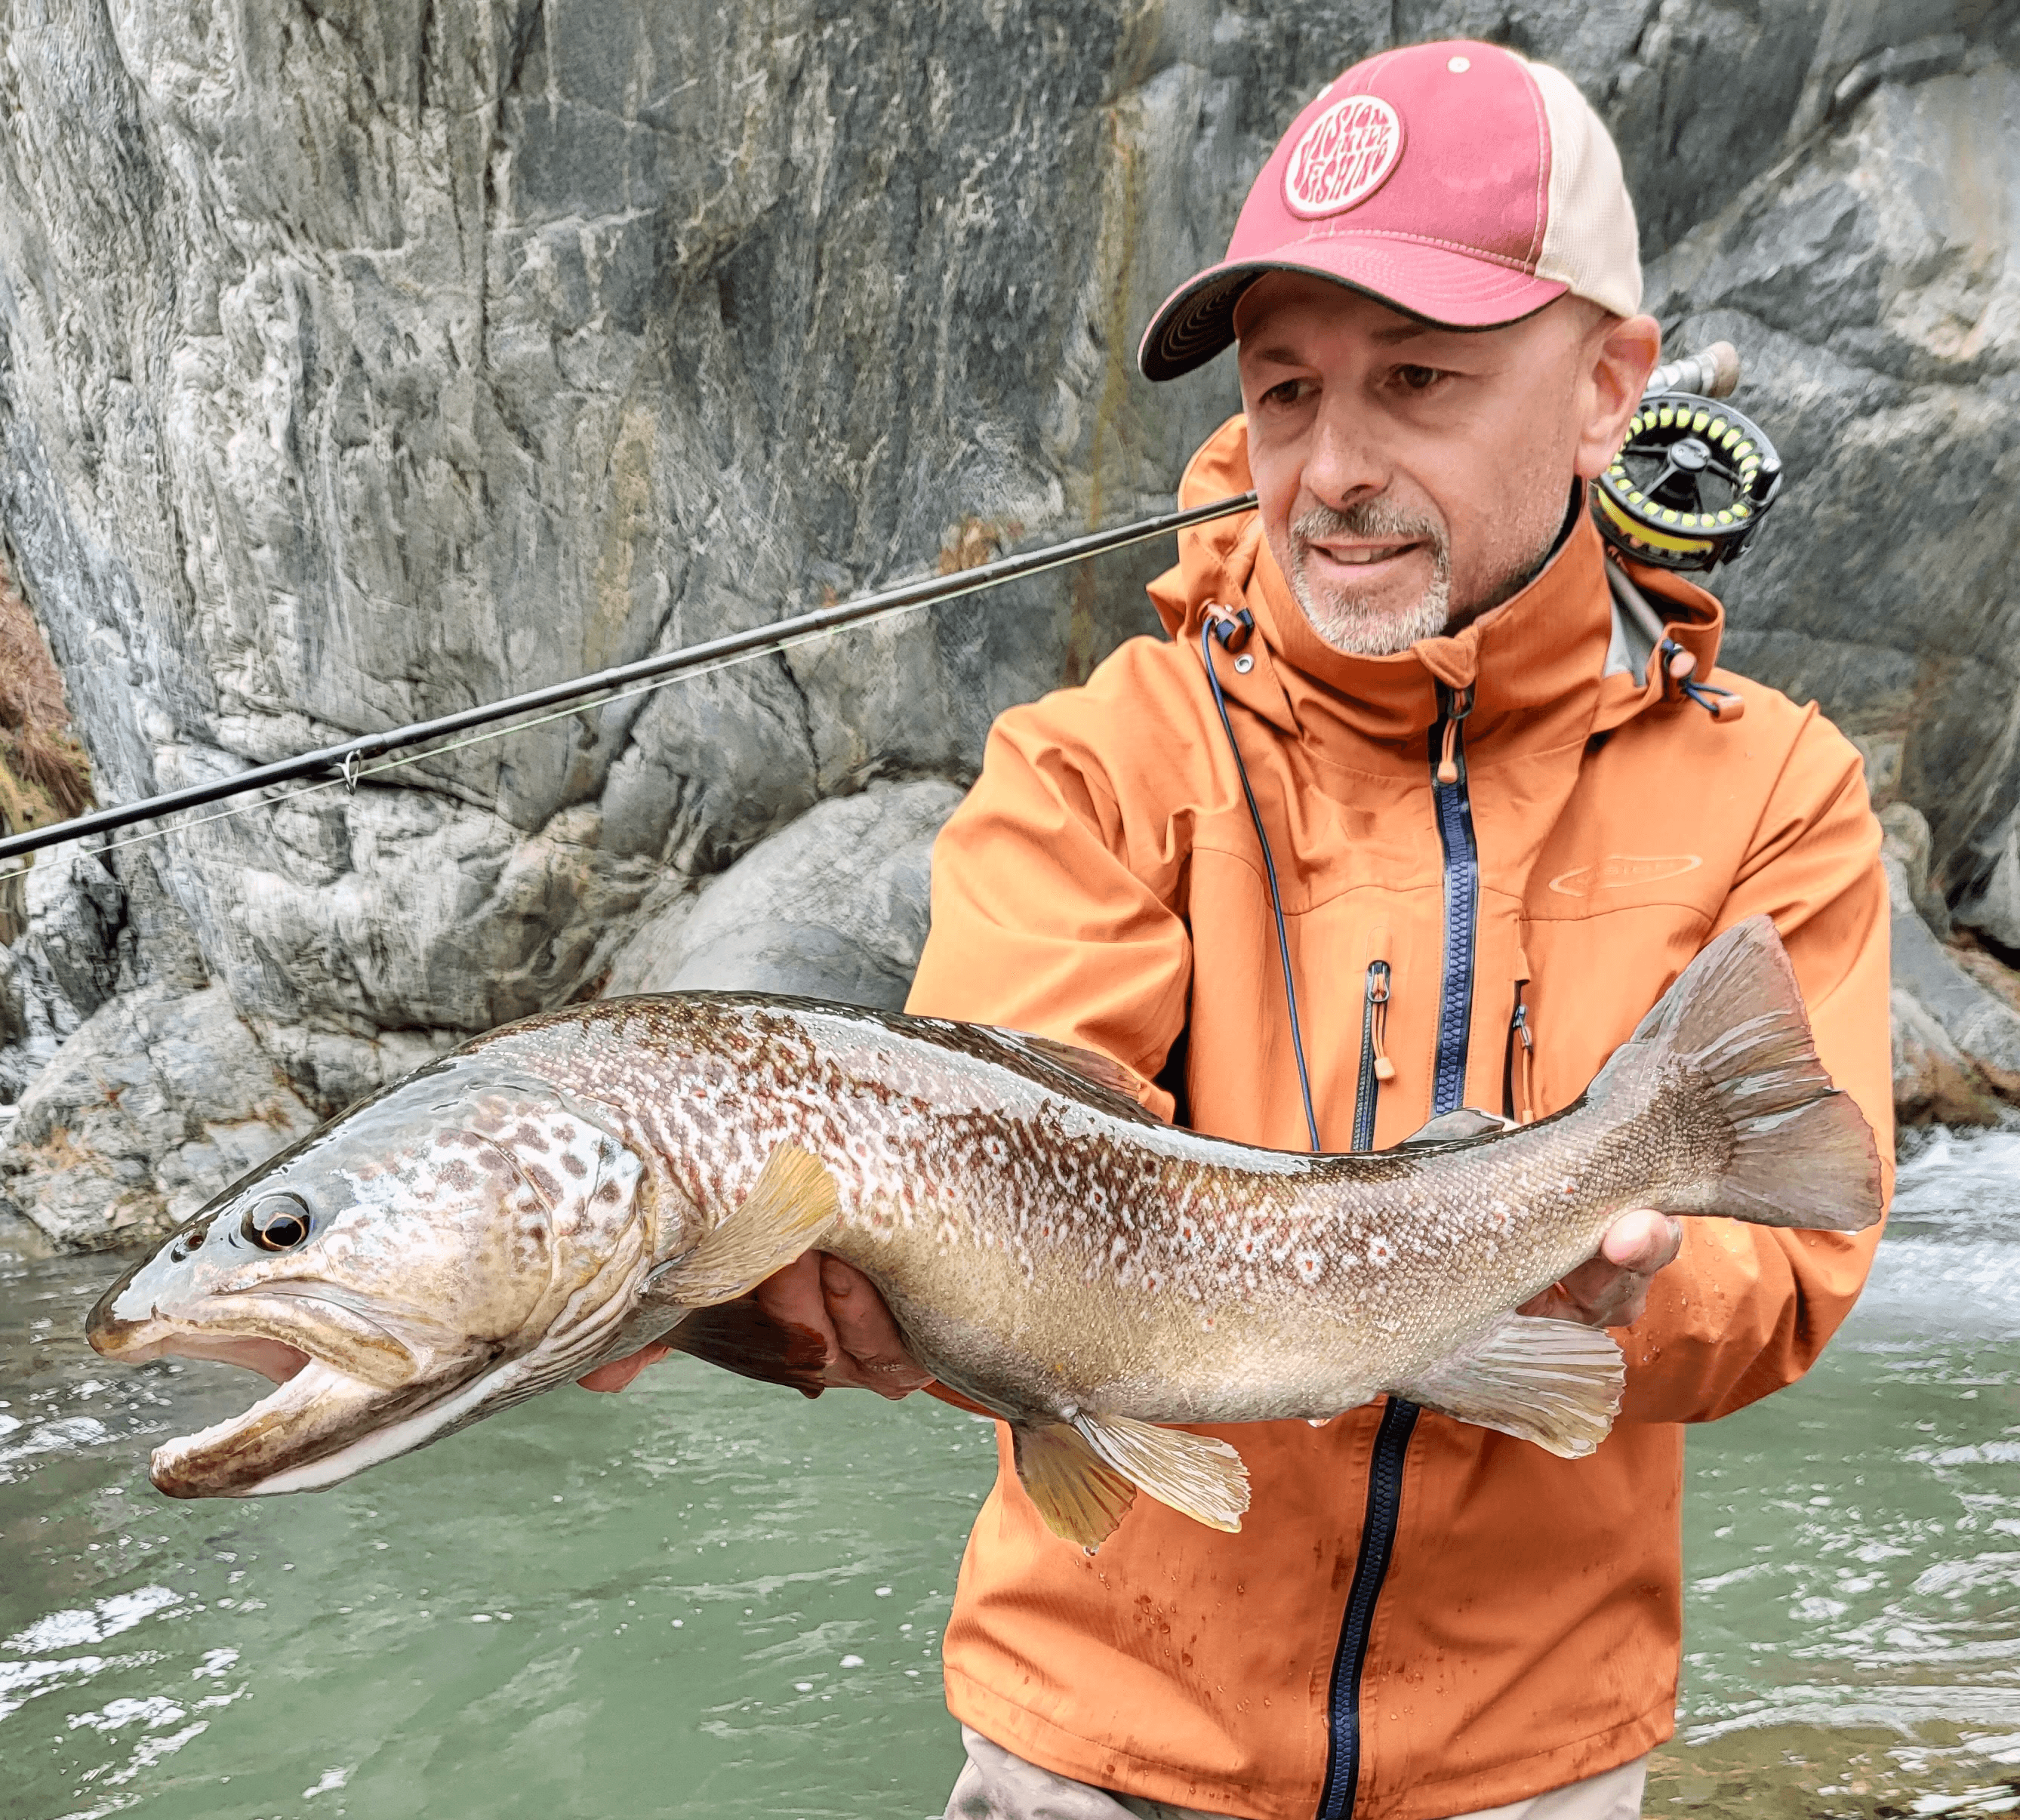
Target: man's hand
[
  {"x": 1612, "y": 1289},
  {"x": 832, "y": 1300}
]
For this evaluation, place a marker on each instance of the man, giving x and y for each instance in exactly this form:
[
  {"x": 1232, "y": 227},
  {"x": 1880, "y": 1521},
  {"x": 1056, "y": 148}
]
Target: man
[{"x": 1494, "y": 839}]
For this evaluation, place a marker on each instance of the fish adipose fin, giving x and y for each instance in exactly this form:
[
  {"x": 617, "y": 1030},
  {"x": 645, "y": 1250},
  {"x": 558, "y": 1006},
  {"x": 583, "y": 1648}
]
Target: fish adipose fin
[
  {"x": 1080, "y": 1495},
  {"x": 1104, "y": 1081},
  {"x": 740, "y": 1337},
  {"x": 792, "y": 1207},
  {"x": 1555, "y": 1382},
  {"x": 1448, "y": 1128},
  {"x": 1197, "y": 1476},
  {"x": 1803, "y": 1154}
]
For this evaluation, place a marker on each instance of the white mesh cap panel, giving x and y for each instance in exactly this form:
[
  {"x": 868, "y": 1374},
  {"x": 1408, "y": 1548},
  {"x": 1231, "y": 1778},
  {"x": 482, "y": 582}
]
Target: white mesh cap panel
[{"x": 1590, "y": 241}]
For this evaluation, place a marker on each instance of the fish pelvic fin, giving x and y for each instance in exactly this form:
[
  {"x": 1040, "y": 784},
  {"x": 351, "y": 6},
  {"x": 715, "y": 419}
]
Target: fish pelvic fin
[
  {"x": 1557, "y": 1383},
  {"x": 1196, "y": 1475},
  {"x": 793, "y": 1205},
  {"x": 1803, "y": 1154},
  {"x": 1079, "y": 1494}
]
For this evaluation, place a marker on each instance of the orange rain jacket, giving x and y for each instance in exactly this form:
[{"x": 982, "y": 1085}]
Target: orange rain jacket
[{"x": 1417, "y": 1618}]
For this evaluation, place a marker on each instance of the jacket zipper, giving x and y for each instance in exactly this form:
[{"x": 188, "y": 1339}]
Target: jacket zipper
[
  {"x": 1454, "y": 811},
  {"x": 1376, "y": 1066},
  {"x": 1518, "y": 1066},
  {"x": 1518, "y": 1071}
]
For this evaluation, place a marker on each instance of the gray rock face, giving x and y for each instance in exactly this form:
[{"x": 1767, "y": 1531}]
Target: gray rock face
[
  {"x": 360, "y": 363},
  {"x": 1957, "y": 1043},
  {"x": 156, "y": 1102},
  {"x": 834, "y": 907}
]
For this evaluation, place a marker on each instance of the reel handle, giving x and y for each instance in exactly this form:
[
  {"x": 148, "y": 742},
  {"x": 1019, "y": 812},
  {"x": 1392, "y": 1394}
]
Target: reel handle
[{"x": 1711, "y": 373}]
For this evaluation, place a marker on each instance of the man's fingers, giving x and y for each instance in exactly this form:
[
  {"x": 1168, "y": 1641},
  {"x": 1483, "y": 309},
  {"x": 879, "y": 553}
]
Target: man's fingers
[
  {"x": 865, "y": 1350},
  {"x": 615, "y": 1374},
  {"x": 793, "y": 1297},
  {"x": 1642, "y": 1241},
  {"x": 868, "y": 1335},
  {"x": 1612, "y": 1289}
]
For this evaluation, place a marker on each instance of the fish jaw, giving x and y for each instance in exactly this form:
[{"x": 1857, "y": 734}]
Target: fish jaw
[{"x": 318, "y": 1407}]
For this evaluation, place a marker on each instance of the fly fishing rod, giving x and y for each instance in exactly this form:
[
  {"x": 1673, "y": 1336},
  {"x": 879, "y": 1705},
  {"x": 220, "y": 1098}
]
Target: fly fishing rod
[
  {"x": 1687, "y": 490},
  {"x": 345, "y": 760}
]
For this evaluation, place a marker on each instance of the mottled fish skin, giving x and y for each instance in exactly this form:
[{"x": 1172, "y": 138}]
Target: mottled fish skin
[
  {"x": 540, "y": 1201},
  {"x": 1062, "y": 1249}
]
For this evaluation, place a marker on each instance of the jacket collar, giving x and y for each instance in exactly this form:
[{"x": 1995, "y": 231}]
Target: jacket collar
[{"x": 1536, "y": 663}]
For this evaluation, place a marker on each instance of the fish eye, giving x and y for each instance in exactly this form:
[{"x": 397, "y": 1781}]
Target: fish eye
[{"x": 276, "y": 1222}]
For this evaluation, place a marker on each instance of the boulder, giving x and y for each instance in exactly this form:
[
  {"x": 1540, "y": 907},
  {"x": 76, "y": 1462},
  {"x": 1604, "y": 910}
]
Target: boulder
[
  {"x": 1956, "y": 1043},
  {"x": 833, "y": 906},
  {"x": 1934, "y": 1082},
  {"x": 1991, "y": 905},
  {"x": 157, "y": 1101}
]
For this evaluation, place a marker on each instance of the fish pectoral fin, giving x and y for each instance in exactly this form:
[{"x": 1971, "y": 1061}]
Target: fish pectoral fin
[
  {"x": 740, "y": 1337},
  {"x": 792, "y": 1206},
  {"x": 1555, "y": 1382},
  {"x": 1448, "y": 1128},
  {"x": 1080, "y": 1495},
  {"x": 1196, "y": 1475}
]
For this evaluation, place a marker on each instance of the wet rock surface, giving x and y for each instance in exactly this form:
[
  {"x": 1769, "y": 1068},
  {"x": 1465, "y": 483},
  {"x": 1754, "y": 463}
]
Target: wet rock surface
[{"x": 359, "y": 364}]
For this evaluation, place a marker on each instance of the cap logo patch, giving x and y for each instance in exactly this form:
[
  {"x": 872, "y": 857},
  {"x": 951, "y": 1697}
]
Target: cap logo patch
[{"x": 1343, "y": 157}]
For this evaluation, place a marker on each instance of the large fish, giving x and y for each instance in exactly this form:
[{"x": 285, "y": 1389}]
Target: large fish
[{"x": 559, "y": 1192}]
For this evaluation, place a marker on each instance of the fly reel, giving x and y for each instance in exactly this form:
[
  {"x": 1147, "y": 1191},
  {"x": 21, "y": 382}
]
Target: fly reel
[{"x": 1693, "y": 477}]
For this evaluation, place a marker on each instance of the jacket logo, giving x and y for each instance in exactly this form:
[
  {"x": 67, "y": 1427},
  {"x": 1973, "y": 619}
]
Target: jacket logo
[
  {"x": 1617, "y": 871},
  {"x": 1343, "y": 157}
]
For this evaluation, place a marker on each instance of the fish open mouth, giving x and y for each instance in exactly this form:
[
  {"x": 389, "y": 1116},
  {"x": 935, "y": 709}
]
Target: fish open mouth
[{"x": 300, "y": 1434}]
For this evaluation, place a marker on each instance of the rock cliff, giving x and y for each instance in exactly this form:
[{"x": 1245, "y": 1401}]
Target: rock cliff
[{"x": 360, "y": 361}]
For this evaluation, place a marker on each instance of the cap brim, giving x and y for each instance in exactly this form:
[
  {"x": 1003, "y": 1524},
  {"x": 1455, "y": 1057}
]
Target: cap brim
[{"x": 1452, "y": 290}]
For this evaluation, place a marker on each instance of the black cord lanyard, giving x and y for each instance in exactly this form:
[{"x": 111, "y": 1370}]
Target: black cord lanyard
[{"x": 1225, "y": 630}]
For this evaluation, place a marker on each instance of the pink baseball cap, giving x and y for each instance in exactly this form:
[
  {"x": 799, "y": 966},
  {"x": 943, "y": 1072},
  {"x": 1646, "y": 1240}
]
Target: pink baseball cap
[{"x": 1457, "y": 182}]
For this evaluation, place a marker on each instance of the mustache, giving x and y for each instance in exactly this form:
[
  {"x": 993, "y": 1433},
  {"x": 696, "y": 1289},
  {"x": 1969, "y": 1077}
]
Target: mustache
[{"x": 1370, "y": 518}]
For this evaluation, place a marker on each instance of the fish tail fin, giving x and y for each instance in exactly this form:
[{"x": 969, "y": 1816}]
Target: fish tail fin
[{"x": 1802, "y": 1154}]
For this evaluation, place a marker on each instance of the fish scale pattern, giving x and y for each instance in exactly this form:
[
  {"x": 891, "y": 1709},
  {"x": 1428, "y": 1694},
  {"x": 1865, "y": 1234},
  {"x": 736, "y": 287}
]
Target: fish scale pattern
[{"x": 983, "y": 1186}]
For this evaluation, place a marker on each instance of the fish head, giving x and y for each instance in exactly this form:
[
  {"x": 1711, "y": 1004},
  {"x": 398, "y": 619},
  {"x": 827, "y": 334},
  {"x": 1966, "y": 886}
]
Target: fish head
[{"x": 452, "y": 1245}]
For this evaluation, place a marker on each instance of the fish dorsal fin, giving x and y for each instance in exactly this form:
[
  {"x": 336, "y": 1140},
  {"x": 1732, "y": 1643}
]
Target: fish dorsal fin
[
  {"x": 740, "y": 1337},
  {"x": 1080, "y": 1495},
  {"x": 1196, "y": 1475},
  {"x": 1555, "y": 1382},
  {"x": 1468, "y": 1121},
  {"x": 789, "y": 1210},
  {"x": 1109, "y": 1080}
]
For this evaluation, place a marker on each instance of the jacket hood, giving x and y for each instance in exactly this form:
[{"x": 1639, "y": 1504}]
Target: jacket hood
[{"x": 1541, "y": 654}]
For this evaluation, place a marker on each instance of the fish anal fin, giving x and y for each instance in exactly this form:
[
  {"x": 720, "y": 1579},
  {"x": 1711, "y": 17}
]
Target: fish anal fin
[
  {"x": 1557, "y": 1383},
  {"x": 790, "y": 1208},
  {"x": 1079, "y": 1494},
  {"x": 1448, "y": 1128},
  {"x": 740, "y": 1337},
  {"x": 1196, "y": 1475}
]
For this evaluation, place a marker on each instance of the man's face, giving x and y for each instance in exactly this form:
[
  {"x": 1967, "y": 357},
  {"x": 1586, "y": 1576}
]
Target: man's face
[{"x": 1411, "y": 477}]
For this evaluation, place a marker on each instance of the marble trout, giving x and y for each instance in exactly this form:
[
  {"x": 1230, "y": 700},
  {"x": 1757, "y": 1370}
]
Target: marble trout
[{"x": 560, "y": 1191}]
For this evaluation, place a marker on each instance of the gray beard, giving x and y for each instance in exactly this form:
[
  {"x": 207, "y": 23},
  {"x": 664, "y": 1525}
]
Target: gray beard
[{"x": 1351, "y": 625}]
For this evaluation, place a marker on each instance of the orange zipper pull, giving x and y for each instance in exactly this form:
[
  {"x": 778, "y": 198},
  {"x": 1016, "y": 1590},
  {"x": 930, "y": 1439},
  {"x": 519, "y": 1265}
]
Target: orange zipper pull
[
  {"x": 1377, "y": 1011},
  {"x": 1447, "y": 765}
]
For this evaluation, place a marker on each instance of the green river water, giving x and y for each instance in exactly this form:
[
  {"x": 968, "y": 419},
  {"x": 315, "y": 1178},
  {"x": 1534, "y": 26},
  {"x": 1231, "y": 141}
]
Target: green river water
[{"x": 708, "y": 1597}]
